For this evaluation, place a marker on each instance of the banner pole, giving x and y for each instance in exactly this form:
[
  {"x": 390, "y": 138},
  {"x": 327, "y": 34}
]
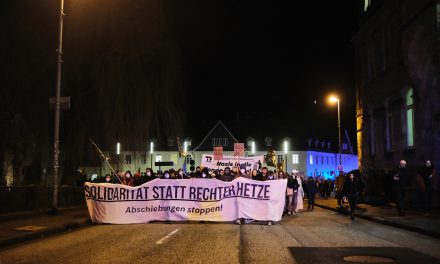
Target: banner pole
[{"x": 102, "y": 156}]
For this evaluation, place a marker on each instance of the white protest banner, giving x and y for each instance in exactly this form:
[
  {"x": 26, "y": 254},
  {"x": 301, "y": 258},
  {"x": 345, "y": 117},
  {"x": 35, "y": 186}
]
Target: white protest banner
[
  {"x": 187, "y": 199},
  {"x": 230, "y": 161}
]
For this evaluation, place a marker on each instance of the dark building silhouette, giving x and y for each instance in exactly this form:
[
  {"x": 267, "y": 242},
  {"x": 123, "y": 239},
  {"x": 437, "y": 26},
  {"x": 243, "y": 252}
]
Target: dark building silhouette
[{"x": 397, "y": 53}]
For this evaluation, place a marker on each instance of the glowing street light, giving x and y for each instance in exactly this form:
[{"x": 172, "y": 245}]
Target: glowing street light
[
  {"x": 286, "y": 149},
  {"x": 151, "y": 153},
  {"x": 334, "y": 99},
  {"x": 185, "y": 146},
  {"x": 118, "y": 148}
]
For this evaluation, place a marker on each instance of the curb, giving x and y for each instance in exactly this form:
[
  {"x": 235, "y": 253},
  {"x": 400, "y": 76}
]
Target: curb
[
  {"x": 29, "y": 214},
  {"x": 51, "y": 231},
  {"x": 386, "y": 222}
]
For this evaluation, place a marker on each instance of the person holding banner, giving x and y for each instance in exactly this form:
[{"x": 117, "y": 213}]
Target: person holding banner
[
  {"x": 292, "y": 191},
  {"x": 149, "y": 176},
  {"x": 254, "y": 174},
  {"x": 128, "y": 179},
  {"x": 227, "y": 176}
]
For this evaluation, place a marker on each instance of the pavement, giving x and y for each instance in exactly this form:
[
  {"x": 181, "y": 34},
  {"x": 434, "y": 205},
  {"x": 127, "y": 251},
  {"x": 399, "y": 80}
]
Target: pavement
[
  {"x": 24, "y": 226},
  {"x": 414, "y": 220}
]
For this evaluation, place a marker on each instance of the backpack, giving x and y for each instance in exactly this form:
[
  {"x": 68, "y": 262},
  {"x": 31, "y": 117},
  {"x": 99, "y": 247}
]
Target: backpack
[{"x": 292, "y": 183}]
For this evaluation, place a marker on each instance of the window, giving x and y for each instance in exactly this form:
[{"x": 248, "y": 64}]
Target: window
[
  {"x": 317, "y": 160},
  {"x": 188, "y": 159},
  {"x": 280, "y": 158},
  {"x": 409, "y": 105},
  {"x": 158, "y": 158},
  {"x": 268, "y": 142},
  {"x": 215, "y": 142},
  {"x": 327, "y": 160},
  {"x": 128, "y": 159},
  {"x": 388, "y": 130},
  {"x": 311, "y": 160},
  {"x": 144, "y": 159},
  {"x": 322, "y": 159},
  {"x": 225, "y": 142},
  {"x": 170, "y": 142},
  {"x": 344, "y": 146},
  {"x": 295, "y": 158},
  {"x": 371, "y": 134}
]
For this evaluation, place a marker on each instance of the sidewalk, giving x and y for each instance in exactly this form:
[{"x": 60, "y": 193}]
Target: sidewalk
[
  {"x": 413, "y": 220},
  {"x": 28, "y": 226}
]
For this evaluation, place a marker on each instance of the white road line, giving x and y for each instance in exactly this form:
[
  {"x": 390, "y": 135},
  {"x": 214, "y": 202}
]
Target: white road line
[{"x": 167, "y": 236}]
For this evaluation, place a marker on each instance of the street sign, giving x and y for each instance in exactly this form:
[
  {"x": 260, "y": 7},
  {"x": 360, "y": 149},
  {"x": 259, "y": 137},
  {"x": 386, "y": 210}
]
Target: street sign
[
  {"x": 164, "y": 163},
  {"x": 238, "y": 149},
  {"x": 64, "y": 102},
  {"x": 218, "y": 153}
]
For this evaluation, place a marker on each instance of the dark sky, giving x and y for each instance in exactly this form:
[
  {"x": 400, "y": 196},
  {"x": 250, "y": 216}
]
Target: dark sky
[{"x": 258, "y": 67}]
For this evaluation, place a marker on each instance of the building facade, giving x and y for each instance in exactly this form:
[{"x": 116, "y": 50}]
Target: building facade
[
  {"x": 397, "y": 53},
  {"x": 318, "y": 159}
]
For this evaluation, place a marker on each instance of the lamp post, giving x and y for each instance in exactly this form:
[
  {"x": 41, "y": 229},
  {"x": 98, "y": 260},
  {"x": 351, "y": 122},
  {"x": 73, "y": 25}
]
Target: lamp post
[
  {"x": 333, "y": 99},
  {"x": 285, "y": 151},
  {"x": 151, "y": 154},
  {"x": 56, "y": 145},
  {"x": 118, "y": 152}
]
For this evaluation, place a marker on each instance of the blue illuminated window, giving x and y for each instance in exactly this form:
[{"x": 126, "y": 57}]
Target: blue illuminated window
[
  {"x": 409, "y": 118},
  {"x": 311, "y": 160}
]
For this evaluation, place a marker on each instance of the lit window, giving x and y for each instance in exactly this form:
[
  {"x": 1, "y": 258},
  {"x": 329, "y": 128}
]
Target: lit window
[
  {"x": 280, "y": 158},
  {"x": 409, "y": 118},
  {"x": 367, "y": 3},
  {"x": 128, "y": 159},
  {"x": 295, "y": 158},
  {"x": 170, "y": 142},
  {"x": 311, "y": 160},
  {"x": 158, "y": 158},
  {"x": 188, "y": 159},
  {"x": 268, "y": 141}
]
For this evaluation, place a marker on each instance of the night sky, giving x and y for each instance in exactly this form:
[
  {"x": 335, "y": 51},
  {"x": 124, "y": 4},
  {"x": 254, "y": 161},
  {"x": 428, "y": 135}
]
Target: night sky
[
  {"x": 141, "y": 69},
  {"x": 259, "y": 67}
]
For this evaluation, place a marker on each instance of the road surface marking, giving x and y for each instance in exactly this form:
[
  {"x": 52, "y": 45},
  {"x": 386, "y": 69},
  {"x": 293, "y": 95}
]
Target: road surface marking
[{"x": 167, "y": 236}]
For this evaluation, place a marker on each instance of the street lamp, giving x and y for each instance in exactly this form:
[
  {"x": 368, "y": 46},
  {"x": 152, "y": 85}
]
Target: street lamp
[
  {"x": 333, "y": 99},
  {"x": 118, "y": 151},
  {"x": 56, "y": 145},
  {"x": 151, "y": 153}
]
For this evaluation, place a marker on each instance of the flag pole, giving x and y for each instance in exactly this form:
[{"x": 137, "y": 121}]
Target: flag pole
[{"x": 105, "y": 158}]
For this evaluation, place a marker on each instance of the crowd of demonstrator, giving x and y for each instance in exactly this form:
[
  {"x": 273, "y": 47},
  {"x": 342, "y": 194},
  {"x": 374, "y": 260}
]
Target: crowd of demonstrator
[
  {"x": 298, "y": 186},
  {"x": 347, "y": 187}
]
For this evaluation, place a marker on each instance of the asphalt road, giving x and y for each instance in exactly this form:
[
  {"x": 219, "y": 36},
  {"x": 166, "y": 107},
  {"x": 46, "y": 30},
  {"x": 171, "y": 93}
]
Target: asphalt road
[{"x": 218, "y": 242}]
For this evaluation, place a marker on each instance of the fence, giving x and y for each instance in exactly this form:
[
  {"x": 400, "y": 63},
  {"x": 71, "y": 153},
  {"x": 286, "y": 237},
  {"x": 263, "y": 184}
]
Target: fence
[{"x": 38, "y": 198}]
